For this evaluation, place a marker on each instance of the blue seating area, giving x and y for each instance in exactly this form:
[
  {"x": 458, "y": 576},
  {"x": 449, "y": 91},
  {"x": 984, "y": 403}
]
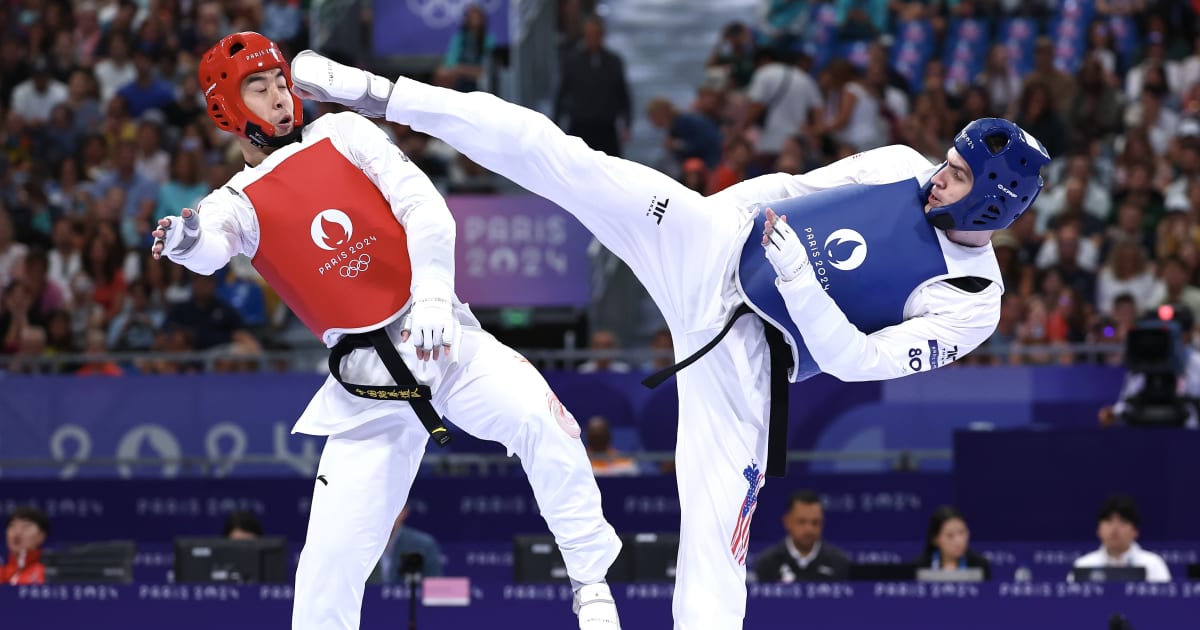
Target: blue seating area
[{"x": 966, "y": 41}]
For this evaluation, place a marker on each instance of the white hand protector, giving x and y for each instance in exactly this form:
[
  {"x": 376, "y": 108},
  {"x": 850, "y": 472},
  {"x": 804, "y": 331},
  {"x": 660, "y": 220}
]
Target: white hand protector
[
  {"x": 431, "y": 326},
  {"x": 784, "y": 250},
  {"x": 176, "y": 236},
  {"x": 322, "y": 79}
]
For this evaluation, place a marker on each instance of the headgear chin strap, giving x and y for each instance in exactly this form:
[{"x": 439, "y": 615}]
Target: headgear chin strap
[{"x": 1005, "y": 163}]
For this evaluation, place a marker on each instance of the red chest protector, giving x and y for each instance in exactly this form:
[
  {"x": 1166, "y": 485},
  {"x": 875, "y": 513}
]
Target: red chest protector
[{"x": 329, "y": 244}]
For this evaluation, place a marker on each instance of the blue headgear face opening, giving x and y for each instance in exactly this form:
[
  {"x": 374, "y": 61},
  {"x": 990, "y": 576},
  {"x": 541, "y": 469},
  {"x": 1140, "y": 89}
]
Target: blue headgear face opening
[{"x": 1006, "y": 163}]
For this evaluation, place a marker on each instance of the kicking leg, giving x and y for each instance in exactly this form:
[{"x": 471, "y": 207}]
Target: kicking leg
[
  {"x": 674, "y": 240},
  {"x": 678, "y": 243},
  {"x": 364, "y": 478}
]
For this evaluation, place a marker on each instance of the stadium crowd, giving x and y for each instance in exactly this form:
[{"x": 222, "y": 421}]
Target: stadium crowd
[{"x": 104, "y": 131}]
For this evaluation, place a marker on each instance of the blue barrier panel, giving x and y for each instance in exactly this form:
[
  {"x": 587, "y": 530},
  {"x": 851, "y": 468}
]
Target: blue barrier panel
[{"x": 865, "y": 606}]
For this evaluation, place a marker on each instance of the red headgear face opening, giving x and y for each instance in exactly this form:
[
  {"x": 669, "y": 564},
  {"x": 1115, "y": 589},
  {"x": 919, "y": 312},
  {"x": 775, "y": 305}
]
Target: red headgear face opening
[{"x": 221, "y": 72}]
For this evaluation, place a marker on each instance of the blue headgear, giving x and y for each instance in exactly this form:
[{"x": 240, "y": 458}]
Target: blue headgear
[{"x": 1005, "y": 162}]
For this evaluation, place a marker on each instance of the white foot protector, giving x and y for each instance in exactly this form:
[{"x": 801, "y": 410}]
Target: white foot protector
[{"x": 596, "y": 609}]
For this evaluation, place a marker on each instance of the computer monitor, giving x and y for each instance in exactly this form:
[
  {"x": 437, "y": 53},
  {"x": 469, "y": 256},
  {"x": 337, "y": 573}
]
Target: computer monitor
[
  {"x": 210, "y": 560},
  {"x": 93, "y": 563},
  {"x": 1193, "y": 571},
  {"x": 644, "y": 557},
  {"x": 1109, "y": 574},
  {"x": 653, "y": 555},
  {"x": 880, "y": 572}
]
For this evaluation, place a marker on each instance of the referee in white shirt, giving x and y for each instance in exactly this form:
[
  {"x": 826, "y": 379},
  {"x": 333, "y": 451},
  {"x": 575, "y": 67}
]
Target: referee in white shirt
[{"x": 1118, "y": 532}]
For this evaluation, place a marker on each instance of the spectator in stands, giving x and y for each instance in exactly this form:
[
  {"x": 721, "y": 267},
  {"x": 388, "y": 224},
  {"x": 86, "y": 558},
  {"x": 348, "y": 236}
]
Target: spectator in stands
[
  {"x": 469, "y": 52},
  {"x": 406, "y": 540},
  {"x": 14, "y": 67},
  {"x": 1000, "y": 345},
  {"x": 606, "y": 460},
  {"x": 1066, "y": 243},
  {"x": 976, "y": 104},
  {"x": 116, "y": 69},
  {"x": 1127, "y": 271},
  {"x": 786, "y": 22},
  {"x": 25, "y": 533},
  {"x": 1072, "y": 208},
  {"x": 861, "y": 19},
  {"x": 283, "y": 23},
  {"x": 1095, "y": 109},
  {"x": 134, "y": 327},
  {"x": 1118, "y": 533},
  {"x": 603, "y": 346},
  {"x": 1152, "y": 111},
  {"x": 853, "y": 122},
  {"x": 148, "y": 91},
  {"x": 152, "y": 162},
  {"x": 60, "y": 137},
  {"x": 784, "y": 100},
  {"x": 947, "y": 544},
  {"x": 1038, "y": 113},
  {"x": 695, "y": 175},
  {"x": 242, "y": 525},
  {"x": 1174, "y": 274},
  {"x": 14, "y": 316},
  {"x": 95, "y": 350},
  {"x": 60, "y": 339},
  {"x": 140, "y": 193},
  {"x": 1061, "y": 84},
  {"x": 1001, "y": 81},
  {"x": 593, "y": 95},
  {"x": 12, "y": 253},
  {"x": 1156, "y": 58},
  {"x": 185, "y": 187},
  {"x": 734, "y": 54},
  {"x": 688, "y": 135},
  {"x": 211, "y": 320},
  {"x": 244, "y": 294},
  {"x": 36, "y": 97},
  {"x": 893, "y": 101},
  {"x": 803, "y": 555},
  {"x": 663, "y": 350},
  {"x": 103, "y": 283},
  {"x": 736, "y": 165},
  {"x": 46, "y": 296}
]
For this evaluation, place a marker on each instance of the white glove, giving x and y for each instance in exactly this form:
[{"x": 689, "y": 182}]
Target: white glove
[
  {"x": 784, "y": 250},
  {"x": 322, "y": 79},
  {"x": 431, "y": 325},
  {"x": 176, "y": 236}
]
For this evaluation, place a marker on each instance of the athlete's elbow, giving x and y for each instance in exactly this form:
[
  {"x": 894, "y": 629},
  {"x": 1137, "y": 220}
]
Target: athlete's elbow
[{"x": 839, "y": 368}]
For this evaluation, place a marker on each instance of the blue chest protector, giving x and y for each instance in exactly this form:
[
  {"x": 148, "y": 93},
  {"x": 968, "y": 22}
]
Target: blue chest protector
[{"x": 870, "y": 247}]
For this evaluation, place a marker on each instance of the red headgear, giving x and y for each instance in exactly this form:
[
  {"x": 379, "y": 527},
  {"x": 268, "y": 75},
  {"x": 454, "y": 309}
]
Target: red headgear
[{"x": 221, "y": 72}]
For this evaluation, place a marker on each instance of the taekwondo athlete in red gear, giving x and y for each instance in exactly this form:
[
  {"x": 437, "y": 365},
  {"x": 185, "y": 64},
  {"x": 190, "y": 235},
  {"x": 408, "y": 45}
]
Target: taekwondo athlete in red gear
[{"x": 360, "y": 245}]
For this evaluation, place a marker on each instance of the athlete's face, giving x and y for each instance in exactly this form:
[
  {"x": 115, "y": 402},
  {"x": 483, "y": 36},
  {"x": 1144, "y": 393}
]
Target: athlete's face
[
  {"x": 266, "y": 95},
  {"x": 951, "y": 184}
]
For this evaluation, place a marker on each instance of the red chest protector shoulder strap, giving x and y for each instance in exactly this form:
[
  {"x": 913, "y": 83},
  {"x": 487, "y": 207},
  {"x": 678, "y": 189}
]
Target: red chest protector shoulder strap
[{"x": 329, "y": 244}]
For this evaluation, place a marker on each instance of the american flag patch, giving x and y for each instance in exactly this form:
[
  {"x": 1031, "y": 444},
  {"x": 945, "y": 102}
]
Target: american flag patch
[
  {"x": 741, "y": 531},
  {"x": 446, "y": 591}
]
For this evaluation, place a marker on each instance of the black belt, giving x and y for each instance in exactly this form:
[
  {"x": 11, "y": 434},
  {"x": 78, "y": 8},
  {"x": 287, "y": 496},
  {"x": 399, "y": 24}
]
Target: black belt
[
  {"x": 406, "y": 389},
  {"x": 781, "y": 362}
]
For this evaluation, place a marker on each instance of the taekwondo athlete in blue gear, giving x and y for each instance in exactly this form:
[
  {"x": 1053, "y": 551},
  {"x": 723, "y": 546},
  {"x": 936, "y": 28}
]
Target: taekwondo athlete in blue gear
[{"x": 689, "y": 251}]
